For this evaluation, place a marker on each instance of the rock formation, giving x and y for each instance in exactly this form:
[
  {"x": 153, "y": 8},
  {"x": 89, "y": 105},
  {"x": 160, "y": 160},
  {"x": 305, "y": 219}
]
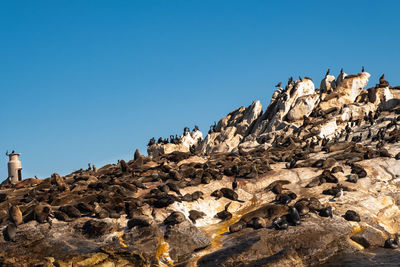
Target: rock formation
[{"x": 309, "y": 181}]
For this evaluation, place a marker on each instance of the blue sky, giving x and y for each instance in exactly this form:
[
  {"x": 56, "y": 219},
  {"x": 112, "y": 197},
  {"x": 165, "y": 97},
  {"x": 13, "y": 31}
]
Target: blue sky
[{"x": 91, "y": 81}]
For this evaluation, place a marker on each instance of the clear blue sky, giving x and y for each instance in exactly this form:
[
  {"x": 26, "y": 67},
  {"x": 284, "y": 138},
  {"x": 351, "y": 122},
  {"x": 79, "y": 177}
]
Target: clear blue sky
[{"x": 91, "y": 81}]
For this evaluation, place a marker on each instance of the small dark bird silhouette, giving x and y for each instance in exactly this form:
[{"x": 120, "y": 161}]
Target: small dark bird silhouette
[
  {"x": 382, "y": 78},
  {"x": 341, "y": 70},
  {"x": 290, "y": 80},
  {"x": 234, "y": 184},
  {"x": 278, "y": 85},
  {"x": 300, "y": 79},
  {"x": 327, "y": 73},
  {"x": 362, "y": 69}
]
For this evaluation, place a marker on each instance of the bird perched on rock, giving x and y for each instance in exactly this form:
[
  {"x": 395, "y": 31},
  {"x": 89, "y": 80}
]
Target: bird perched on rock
[
  {"x": 327, "y": 73},
  {"x": 234, "y": 184},
  {"x": 338, "y": 195},
  {"x": 224, "y": 215},
  {"x": 362, "y": 69},
  {"x": 278, "y": 85}
]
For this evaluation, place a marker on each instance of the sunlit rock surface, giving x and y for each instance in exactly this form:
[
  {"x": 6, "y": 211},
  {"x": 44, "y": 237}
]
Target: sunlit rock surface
[{"x": 177, "y": 206}]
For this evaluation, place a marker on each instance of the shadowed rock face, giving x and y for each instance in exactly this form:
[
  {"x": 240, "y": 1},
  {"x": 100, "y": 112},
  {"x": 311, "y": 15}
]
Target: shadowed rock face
[{"x": 295, "y": 177}]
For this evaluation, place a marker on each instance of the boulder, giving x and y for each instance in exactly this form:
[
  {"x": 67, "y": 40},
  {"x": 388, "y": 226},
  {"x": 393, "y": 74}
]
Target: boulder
[
  {"x": 231, "y": 129},
  {"x": 328, "y": 84},
  {"x": 183, "y": 239},
  {"x": 347, "y": 90},
  {"x": 303, "y": 107},
  {"x": 157, "y": 150}
]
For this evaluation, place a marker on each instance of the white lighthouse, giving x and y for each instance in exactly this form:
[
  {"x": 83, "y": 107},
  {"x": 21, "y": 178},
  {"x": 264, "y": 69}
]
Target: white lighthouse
[{"x": 14, "y": 167}]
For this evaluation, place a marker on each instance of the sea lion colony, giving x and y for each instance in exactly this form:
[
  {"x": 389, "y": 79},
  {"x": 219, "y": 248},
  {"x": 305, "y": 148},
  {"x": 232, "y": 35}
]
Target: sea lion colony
[{"x": 116, "y": 206}]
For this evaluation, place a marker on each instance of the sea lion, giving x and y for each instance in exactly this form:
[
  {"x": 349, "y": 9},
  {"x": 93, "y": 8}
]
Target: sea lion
[
  {"x": 71, "y": 211},
  {"x": 10, "y": 232},
  {"x": 314, "y": 204},
  {"x": 328, "y": 163},
  {"x": 175, "y": 217},
  {"x": 124, "y": 166},
  {"x": 84, "y": 207},
  {"x": 294, "y": 215},
  {"x": 174, "y": 187},
  {"x": 217, "y": 194},
  {"x": 41, "y": 213},
  {"x": 351, "y": 215},
  {"x": 392, "y": 242},
  {"x": 163, "y": 188},
  {"x": 195, "y": 215},
  {"x": 326, "y": 212},
  {"x": 272, "y": 185},
  {"x": 139, "y": 184},
  {"x": 337, "y": 169},
  {"x": 280, "y": 223},
  {"x": 230, "y": 194},
  {"x": 140, "y": 221},
  {"x": 206, "y": 179},
  {"x": 257, "y": 223},
  {"x": 267, "y": 211},
  {"x": 328, "y": 177},
  {"x": 359, "y": 170},
  {"x": 224, "y": 215},
  {"x": 59, "y": 215},
  {"x": 302, "y": 207},
  {"x": 283, "y": 199},
  {"x": 136, "y": 155},
  {"x": 15, "y": 214},
  {"x": 197, "y": 195},
  {"x": 352, "y": 178},
  {"x": 57, "y": 180}
]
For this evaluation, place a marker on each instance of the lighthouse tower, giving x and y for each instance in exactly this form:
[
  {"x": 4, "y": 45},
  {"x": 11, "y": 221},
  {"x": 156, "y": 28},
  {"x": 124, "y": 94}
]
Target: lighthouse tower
[{"x": 14, "y": 167}]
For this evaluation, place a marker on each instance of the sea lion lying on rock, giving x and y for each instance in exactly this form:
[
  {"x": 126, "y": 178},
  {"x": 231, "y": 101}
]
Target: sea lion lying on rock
[
  {"x": 227, "y": 193},
  {"x": 267, "y": 211}
]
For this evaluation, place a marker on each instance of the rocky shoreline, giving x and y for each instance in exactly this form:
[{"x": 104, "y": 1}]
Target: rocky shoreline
[{"x": 313, "y": 177}]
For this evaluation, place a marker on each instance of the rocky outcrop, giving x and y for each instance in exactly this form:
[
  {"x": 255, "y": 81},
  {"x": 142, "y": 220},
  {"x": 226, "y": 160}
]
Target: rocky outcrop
[
  {"x": 283, "y": 190},
  {"x": 328, "y": 84},
  {"x": 303, "y": 107},
  {"x": 231, "y": 130},
  {"x": 187, "y": 140}
]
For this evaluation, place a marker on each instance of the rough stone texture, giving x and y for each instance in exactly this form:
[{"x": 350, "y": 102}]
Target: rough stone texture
[
  {"x": 192, "y": 138},
  {"x": 184, "y": 238},
  {"x": 347, "y": 90},
  {"x": 231, "y": 129},
  {"x": 161, "y": 149},
  {"x": 328, "y": 84},
  {"x": 303, "y": 107},
  {"x": 255, "y": 151},
  {"x": 186, "y": 141}
]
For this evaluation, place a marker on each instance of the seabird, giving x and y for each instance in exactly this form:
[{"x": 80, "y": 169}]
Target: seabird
[
  {"x": 327, "y": 73},
  {"x": 278, "y": 85}
]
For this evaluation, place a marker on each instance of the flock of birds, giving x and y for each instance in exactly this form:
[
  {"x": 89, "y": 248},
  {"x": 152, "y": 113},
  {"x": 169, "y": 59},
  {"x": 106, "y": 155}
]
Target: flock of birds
[{"x": 172, "y": 139}]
